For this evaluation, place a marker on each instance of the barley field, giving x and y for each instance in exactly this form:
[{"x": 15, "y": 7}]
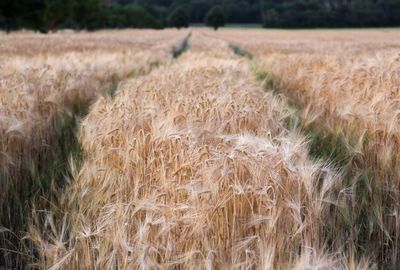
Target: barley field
[{"x": 200, "y": 149}]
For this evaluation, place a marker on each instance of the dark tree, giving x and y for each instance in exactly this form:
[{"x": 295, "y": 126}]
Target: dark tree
[
  {"x": 215, "y": 17},
  {"x": 88, "y": 13},
  {"x": 128, "y": 16},
  {"x": 271, "y": 18},
  {"x": 178, "y": 18},
  {"x": 56, "y": 14},
  {"x": 23, "y": 14},
  {"x": 10, "y": 13},
  {"x": 51, "y": 15}
]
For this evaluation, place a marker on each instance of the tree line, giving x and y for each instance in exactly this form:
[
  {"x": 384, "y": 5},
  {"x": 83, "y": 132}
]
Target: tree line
[
  {"x": 331, "y": 13},
  {"x": 49, "y": 15}
]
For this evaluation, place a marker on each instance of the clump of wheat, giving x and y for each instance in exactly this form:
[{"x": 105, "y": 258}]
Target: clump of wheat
[{"x": 34, "y": 89}]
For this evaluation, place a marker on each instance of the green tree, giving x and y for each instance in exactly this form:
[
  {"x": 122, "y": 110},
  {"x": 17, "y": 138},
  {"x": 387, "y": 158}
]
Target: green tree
[
  {"x": 215, "y": 17},
  {"x": 10, "y": 13},
  {"x": 22, "y": 13},
  {"x": 57, "y": 13},
  {"x": 271, "y": 18},
  {"x": 117, "y": 16},
  {"x": 2, "y": 21},
  {"x": 88, "y": 14},
  {"x": 178, "y": 18},
  {"x": 31, "y": 14},
  {"x": 49, "y": 15}
]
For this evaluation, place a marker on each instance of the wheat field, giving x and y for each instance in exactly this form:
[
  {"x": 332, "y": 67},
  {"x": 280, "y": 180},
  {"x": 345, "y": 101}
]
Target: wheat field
[{"x": 196, "y": 149}]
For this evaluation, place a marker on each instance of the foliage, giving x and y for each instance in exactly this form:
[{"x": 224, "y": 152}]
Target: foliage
[
  {"x": 117, "y": 16},
  {"x": 178, "y": 18},
  {"x": 334, "y": 13},
  {"x": 215, "y": 17},
  {"x": 285, "y": 13},
  {"x": 236, "y": 11},
  {"x": 50, "y": 15}
]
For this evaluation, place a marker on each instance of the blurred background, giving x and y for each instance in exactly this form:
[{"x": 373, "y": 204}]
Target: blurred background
[{"x": 51, "y": 15}]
